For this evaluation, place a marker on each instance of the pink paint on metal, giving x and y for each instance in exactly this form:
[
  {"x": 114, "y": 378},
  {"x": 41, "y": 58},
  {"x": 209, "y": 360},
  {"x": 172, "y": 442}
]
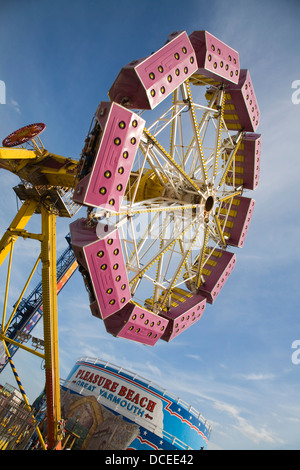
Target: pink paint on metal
[
  {"x": 222, "y": 264},
  {"x": 105, "y": 184},
  {"x": 215, "y": 58},
  {"x": 137, "y": 324},
  {"x": 238, "y": 220},
  {"x": 186, "y": 313},
  {"x": 241, "y": 108},
  {"x": 146, "y": 82},
  {"x": 99, "y": 253},
  {"x": 247, "y": 163},
  {"x": 252, "y": 151}
]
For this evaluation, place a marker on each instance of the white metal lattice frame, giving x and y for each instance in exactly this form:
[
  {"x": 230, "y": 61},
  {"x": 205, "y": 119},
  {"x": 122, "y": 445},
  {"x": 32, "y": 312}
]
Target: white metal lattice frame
[{"x": 165, "y": 237}]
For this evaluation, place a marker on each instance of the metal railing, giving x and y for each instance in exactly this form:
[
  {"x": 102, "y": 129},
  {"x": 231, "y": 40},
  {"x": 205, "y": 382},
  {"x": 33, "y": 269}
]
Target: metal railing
[{"x": 16, "y": 425}]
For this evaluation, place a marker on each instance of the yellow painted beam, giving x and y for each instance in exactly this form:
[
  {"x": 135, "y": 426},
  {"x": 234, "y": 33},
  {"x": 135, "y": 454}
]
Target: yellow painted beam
[
  {"x": 22, "y": 346},
  {"x": 202, "y": 257},
  {"x": 49, "y": 289},
  {"x": 229, "y": 162},
  {"x": 23, "y": 393},
  {"x": 5, "y": 327},
  {"x": 55, "y": 169},
  {"x": 219, "y": 229},
  {"x": 7, "y": 153},
  {"x": 7, "y": 285},
  {"x": 196, "y": 133},
  {"x": 230, "y": 196},
  {"x": 171, "y": 160},
  {"x": 18, "y": 223}
]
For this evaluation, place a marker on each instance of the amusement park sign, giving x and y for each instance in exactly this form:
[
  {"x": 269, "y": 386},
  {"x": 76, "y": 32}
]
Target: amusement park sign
[
  {"x": 164, "y": 421},
  {"x": 119, "y": 394}
]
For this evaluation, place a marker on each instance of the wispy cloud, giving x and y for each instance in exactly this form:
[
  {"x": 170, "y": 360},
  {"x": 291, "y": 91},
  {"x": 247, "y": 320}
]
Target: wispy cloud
[
  {"x": 255, "y": 433},
  {"x": 15, "y": 105},
  {"x": 259, "y": 376},
  {"x": 194, "y": 356}
]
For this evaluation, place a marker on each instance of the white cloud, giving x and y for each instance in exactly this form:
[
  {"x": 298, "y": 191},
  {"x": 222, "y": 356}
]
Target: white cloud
[
  {"x": 259, "y": 376},
  {"x": 251, "y": 432},
  {"x": 15, "y": 105},
  {"x": 194, "y": 356}
]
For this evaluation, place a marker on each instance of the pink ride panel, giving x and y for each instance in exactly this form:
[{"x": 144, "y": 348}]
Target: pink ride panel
[
  {"x": 214, "y": 58},
  {"x": 238, "y": 220},
  {"x": 217, "y": 270},
  {"x": 137, "y": 324},
  {"x": 105, "y": 185},
  {"x": 241, "y": 108},
  {"x": 99, "y": 252},
  {"x": 144, "y": 83},
  {"x": 188, "y": 311},
  {"x": 252, "y": 151},
  {"x": 247, "y": 163}
]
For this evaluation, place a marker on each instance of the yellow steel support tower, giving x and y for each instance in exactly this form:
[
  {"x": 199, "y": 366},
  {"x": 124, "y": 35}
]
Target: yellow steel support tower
[
  {"x": 48, "y": 256},
  {"x": 49, "y": 295},
  {"x": 47, "y": 178}
]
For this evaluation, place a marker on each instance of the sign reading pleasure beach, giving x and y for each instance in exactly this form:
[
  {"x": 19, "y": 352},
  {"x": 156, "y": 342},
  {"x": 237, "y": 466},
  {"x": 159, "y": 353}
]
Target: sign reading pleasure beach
[
  {"x": 161, "y": 416},
  {"x": 118, "y": 394}
]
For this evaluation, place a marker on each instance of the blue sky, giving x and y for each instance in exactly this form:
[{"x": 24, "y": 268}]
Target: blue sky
[{"x": 58, "y": 60}]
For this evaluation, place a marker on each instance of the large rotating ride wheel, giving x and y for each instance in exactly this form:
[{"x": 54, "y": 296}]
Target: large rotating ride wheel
[
  {"x": 165, "y": 168},
  {"x": 24, "y": 134}
]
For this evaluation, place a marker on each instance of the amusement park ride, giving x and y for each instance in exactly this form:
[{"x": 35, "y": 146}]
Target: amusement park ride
[{"x": 182, "y": 177}]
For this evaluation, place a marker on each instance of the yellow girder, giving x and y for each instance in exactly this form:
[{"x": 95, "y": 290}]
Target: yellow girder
[
  {"x": 39, "y": 167},
  {"x": 171, "y": 160}
]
